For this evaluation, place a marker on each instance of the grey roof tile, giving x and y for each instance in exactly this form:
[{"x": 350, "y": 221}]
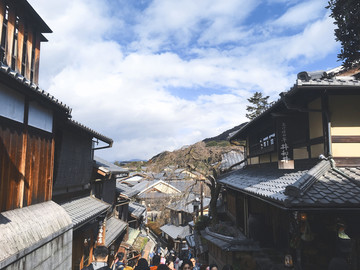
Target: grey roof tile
[
  {"x": 329, "y": 190},
  {"x": 114, "y": 228},
  {"x": 108, "y": 167},
  {"x": 136, "y": 209},
  {"x": 84, "y": 209}
]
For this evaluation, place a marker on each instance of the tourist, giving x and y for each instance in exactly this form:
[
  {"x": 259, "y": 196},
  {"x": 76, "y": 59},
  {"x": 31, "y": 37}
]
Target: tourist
[
  {"x": 101, "y": 255},
  {"x": 186, "y": 265},
  {"x": 213, "y": 266},
  {"x": 195, "y": 265},
  {"x": 155, "y": 262},
  {"x": 119, "y": 262},
  {"x": 142, "y": 265}
]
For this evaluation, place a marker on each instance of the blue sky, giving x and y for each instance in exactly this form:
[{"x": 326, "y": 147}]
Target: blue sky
[{"x": 155, "y": 75}]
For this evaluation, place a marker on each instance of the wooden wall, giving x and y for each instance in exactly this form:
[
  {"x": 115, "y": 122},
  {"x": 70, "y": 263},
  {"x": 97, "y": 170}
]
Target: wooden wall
[
  {"x": 73, "y": 163},
  {"x": 31, "y": 50},
  {"x": 26, "y": 165}
]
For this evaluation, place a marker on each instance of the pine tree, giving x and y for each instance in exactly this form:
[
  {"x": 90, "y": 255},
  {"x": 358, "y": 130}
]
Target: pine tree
[
  {"x": 347, "y": 19},
  {"x": 259, "y": 104}
]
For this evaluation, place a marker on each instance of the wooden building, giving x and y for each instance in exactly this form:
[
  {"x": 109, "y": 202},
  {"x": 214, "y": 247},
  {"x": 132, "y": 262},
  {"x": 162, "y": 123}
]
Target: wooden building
[
  {"x": 299, "y": 193},
  {"x": 49, "y": 218},
  {"x": 32, "y": 226}
]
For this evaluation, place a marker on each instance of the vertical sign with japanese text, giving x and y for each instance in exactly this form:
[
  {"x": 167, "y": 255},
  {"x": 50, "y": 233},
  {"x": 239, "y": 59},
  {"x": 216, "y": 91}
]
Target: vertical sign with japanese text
[{"x": 284, "y": 148}]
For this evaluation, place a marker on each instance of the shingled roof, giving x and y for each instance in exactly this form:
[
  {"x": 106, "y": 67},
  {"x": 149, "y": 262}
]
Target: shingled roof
[
  {"x": 114, "y": 228},
  {"x": 84, "y": 209},
  {"x": 306, "y": 186}
]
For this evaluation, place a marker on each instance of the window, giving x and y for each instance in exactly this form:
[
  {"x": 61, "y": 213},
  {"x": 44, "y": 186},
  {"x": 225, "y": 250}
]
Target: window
[
  {"x": 15, "y": 44},
  {"x": 24, "y": 55},
  {"x": 4, "y": 34},
  {"x": 32, "y": 67}
]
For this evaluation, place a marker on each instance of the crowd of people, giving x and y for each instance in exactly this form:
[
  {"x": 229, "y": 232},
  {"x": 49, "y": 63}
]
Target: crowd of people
[{"x": 158, "y": 262}]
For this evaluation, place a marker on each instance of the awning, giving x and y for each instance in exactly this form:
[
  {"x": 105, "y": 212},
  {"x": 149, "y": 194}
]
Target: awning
[{"x": 176, "y": 232}]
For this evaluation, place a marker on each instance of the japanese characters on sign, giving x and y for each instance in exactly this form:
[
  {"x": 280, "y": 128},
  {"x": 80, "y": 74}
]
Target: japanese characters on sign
[{"x": 284, "y": 148}]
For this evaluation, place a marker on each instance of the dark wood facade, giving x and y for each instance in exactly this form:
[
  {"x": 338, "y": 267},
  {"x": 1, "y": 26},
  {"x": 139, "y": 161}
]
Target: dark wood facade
[{"x": 21, "y": 34}]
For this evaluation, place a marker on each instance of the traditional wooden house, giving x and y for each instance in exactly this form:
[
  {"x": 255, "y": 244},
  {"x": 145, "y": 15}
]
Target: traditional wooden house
[
  {"x": 43, "y": 155},
  {"x": 35, "y": 232},
  {"x": 299, "y": 193},
  {"x": 72, "y": 189}
]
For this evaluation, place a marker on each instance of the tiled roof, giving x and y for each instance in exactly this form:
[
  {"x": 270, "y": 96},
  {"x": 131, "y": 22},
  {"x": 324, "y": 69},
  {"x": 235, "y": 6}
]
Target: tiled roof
[
  {"x": 92, "y": 132},
  {"x": 186, "y": 185},
  {"x": 84, "y": 209},
  {"x": 23, "y": 230},
  {"x": 231, "y": 158},
  {"x": 114, "y": 228},
  {"x": 240, "y": 243},
  {"x": 124, "y": 189},
  {"x": 136, "y": 209},
  {"x": 107, "y": 166},
  {"x": 319, "y": 186},
  {"x": 176, "y": 231},
  {"x": 33, "y": 87},
  {"x": 185, "y": 204}
]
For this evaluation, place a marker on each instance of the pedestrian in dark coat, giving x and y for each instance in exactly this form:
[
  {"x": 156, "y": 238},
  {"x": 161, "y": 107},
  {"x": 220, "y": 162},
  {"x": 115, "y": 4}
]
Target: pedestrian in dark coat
[{"x": 101, "y": 254}]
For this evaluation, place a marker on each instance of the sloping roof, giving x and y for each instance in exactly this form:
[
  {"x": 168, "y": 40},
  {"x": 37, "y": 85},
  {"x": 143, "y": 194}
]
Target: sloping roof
[
  {"x": 305, "y": 80},
  {"x": 133, "y": 180},
  {"x": 146, "y": 185},
  {"x": 240, "y": 243},
  {"x": 35, "y": 17},
  {"x": 124, "y": 189},
  {"x": 94, "y": 133},
  {"x": 317, "y": 186},
  {"x": 84, "y": 209},
  {"x": 25, "y": 229},
  {"x": 185, "y": 204},
  {"x": 114, "y": 228},
  {"x": 176, "y": 232},
  {"x": 33, "y": 88},
  {"x": 185, "y": 185},
  {"x": 231, "y": 158},
  {"x": 107, "y": 166},
  {"x": 136, "y": 209}
]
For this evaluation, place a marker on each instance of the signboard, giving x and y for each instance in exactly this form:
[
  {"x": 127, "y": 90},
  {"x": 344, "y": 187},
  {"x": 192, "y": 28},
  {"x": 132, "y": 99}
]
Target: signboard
[{"x": 284, "y": 147}]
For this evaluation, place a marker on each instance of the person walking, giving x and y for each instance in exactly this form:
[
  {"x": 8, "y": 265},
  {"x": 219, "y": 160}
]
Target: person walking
[
  {"x": 119, "y": 263},
  {"x": 101, "y": 254}
]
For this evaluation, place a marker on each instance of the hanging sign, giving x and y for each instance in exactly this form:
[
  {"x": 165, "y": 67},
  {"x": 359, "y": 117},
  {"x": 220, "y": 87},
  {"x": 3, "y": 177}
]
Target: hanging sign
[{"x": 284, "y": 148}]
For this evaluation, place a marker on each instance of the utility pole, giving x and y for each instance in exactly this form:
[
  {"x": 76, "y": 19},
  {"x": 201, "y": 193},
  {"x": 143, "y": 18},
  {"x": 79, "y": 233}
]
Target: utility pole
[{"x": 201, "y": 197}]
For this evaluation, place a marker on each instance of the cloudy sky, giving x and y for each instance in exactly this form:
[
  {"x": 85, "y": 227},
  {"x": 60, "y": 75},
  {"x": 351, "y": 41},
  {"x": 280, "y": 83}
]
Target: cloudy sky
[{"x": 155, "y": 75}]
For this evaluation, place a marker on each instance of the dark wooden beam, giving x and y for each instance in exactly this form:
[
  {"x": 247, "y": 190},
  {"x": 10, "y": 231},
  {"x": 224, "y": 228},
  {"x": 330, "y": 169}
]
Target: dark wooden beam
[
  {"x": 347, "y": 161},
  {"x": 345, "y": 139}
]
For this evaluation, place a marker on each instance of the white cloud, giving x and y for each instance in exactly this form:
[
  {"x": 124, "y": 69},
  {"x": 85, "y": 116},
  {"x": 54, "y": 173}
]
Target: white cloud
[
  {"x": 122, "y": 87},
  {"x": 302, "y": 13}
]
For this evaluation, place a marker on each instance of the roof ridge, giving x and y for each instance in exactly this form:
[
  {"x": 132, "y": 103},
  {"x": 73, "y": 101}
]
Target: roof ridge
[{"x": 308, "y": 179}]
